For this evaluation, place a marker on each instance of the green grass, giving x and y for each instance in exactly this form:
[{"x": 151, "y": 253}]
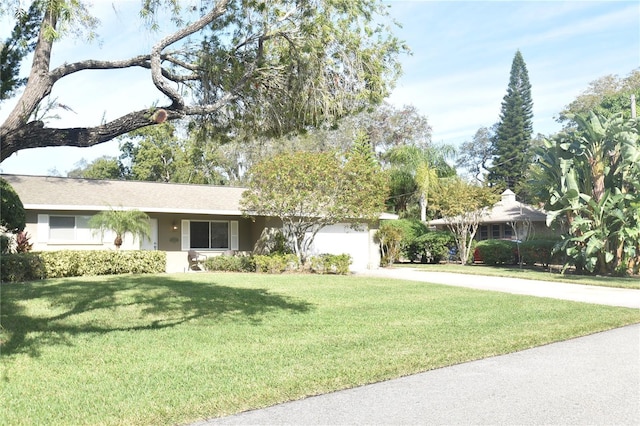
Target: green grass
[
  {"x": 528, "y": 273},
  {"x": 171, "y": 349}
]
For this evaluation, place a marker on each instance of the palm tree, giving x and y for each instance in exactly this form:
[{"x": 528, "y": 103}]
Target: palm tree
[
  {"x": 418, "y": 170},
  {"x": 121, "y": 222}
]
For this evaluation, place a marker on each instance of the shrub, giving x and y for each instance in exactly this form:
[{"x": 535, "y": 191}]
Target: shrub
[
  {"x": 410, "y": 246},
  {"x": 389, "y": 238},
  {"x": 22, "y": 242},
  {"x": 230, "y": 263},
  {"x": 498, "y": 252},
  {"x": 5, "y": 243},
  {"x": 21, "y": 267},
  {"x": 330, "y": 264},
  {"x": 435, "y": 246},
  {"x": 540, "y": 251},
  {"x": 276, "y": 263},
  {"x": 73, "y": 263}
]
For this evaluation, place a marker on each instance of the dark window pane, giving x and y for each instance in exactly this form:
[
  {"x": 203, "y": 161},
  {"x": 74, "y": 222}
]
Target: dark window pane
[
  {"x": 199, "y": 235},
  {"x": 219, "y": 235},
  {"x": 62, "y": 228},
  {"x": 484, "y": 232},
  {"x": 495, "y": 231}
]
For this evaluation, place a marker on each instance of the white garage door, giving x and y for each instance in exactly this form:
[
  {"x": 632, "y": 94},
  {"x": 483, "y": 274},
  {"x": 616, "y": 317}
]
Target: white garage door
[{"x": 339, "y": 239}]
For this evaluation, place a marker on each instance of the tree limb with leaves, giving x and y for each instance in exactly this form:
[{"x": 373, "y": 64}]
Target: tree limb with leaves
[{"x": 268, "y": 67}]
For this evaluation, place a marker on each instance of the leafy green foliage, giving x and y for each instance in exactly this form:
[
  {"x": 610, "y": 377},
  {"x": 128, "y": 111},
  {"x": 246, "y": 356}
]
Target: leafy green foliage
[
  {"x": 276, "y": 263},
  {"x": 22, "y": 267},
  {"x": 512, "y": 141},
  {"x": 230, "y": 263},
  {"x": 415, "y": 173},
  {"x": 239, "y": 68},
  {"x": 101, "y": 168},
  {"x": 330, "y": 263},
  {"x": 605, "y": 96},
  {"x": 389, "y": 236},
  {"x": 498, "y": 252},
  {"x": 122, "y": 222},
  {"x": 590, "y": 179},
  {"x": 19, "y": 267},
  {"x": 462, "y": 206},
  {"x": 434, "y": 246},
  {"x": 14, "y": 50},
  {"x": 12, "y": 215},
  {"x": 541, "y": 252},
  {"x": 308, "y": 191}
]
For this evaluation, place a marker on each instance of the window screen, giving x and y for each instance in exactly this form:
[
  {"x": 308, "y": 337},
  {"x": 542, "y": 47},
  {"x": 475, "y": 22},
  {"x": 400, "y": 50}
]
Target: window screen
[
  {"x": 209, "y": 235},
  {"x": 62, "y": 228}
]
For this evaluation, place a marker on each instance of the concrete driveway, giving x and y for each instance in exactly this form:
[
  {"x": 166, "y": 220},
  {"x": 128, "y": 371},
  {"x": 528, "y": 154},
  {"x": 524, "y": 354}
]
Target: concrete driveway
[
  {"x": 629, "y": 298},
  {"x": 592, "y": 380}
]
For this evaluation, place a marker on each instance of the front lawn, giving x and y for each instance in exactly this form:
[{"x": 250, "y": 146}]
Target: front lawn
[
  {"x": 170, "y": 349},
  {"x": 527, "y": 273}
]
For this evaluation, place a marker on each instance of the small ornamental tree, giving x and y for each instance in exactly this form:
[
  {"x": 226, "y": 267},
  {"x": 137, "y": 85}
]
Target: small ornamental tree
[
  {"x": 122, "y": 222},
  {"x": 308, "y": 191},
  {"x": 463, "y": 205}
]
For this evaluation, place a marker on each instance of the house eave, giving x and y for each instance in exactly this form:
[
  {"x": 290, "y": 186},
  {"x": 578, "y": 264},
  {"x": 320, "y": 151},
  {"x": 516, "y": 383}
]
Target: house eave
[{"x": 58, "y": 207}]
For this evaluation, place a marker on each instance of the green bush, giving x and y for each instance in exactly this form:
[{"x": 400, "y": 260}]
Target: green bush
[
  {"x": 410, "y": 247},
  {"x": 276, "y": 263},
  {"x": 330, "y": 264},
  {"x": 498, "y": 252},
  {"x": 21, "y": 267},
  {"x": 73, "y": 263},
  {"x": 434, "y": 246},
  {"x": 5, "y": 243},
  {"x": 541, "y": 252},
  {"x": 230, "y": 263},
  {"x": 389, "y": 238}
]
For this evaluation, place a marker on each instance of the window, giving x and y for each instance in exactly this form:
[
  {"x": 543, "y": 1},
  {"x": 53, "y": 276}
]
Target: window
[
  {"x": 495, "y": 231},
  {"x": 71, "y": 229},
  {"x": 508, "y": 231},
  {"x": 484, "y": 232},
  {"x": 209, "y": 235}
]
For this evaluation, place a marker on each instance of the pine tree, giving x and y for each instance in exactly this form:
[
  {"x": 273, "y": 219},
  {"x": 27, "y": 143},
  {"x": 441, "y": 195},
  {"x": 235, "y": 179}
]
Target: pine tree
[{"x": 512, "y": 141}]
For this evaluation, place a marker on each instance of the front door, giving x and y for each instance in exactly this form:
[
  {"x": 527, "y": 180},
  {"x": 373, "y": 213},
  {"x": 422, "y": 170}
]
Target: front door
[{"x": 151, "y": 243}]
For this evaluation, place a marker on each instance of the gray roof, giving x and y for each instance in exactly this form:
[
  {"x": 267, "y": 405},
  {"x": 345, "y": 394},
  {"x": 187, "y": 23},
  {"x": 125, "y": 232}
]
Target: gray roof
[
  {"x": 59, "y": 193},
  {"x": 507, "y": 210}
]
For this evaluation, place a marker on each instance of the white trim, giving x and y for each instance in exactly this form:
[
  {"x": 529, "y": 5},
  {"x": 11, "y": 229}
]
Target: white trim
[
  {"x": 43, "y": 228},
  {"x": 186, "y": 236},
  {"x": 233, "y": 235}
]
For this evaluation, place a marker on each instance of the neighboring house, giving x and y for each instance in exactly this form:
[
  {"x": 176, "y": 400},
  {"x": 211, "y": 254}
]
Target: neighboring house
[
  {"x": 508, "y": 219},
  {"x": 183, "y": 217}
]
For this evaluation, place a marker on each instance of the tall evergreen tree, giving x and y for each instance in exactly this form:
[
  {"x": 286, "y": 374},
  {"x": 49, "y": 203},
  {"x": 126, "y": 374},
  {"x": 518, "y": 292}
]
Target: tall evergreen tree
[{"x": 511, "y": 144}]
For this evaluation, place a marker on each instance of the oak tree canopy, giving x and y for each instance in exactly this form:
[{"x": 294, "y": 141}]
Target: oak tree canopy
[{"x": 266, "y": 67}]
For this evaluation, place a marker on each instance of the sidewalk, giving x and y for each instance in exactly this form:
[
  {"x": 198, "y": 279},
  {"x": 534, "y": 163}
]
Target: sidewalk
[{"x": 591, "y": 380}]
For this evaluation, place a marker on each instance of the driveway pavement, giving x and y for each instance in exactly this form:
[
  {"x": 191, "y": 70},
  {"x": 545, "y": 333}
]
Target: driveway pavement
[
  {"x": 592, "y": 380},
  {"x": 629, "y": 298}
]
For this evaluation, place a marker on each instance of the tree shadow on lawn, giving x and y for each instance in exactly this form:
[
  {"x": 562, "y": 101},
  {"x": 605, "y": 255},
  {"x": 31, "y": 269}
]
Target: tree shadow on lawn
[{"x": 60, "y": 309}]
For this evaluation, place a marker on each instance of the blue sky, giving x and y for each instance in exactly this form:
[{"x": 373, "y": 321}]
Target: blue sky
[{"x": 456, "y": 76}]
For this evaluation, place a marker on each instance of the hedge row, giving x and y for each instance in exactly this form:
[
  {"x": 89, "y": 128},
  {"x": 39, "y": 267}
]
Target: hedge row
[
  {"x": 505, "y": 252},
  {"x": 279, "y": 263},
  {"x": 19, "y": 267}
]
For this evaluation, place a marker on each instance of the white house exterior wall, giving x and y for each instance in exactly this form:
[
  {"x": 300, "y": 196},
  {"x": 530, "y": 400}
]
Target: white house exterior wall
[{"x": 340, "y": 239}]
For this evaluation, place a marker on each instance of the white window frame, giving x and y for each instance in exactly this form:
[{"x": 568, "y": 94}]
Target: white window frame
[
  {"x": 232, "y": 238},
  {"x": 81, "y": 235}
]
